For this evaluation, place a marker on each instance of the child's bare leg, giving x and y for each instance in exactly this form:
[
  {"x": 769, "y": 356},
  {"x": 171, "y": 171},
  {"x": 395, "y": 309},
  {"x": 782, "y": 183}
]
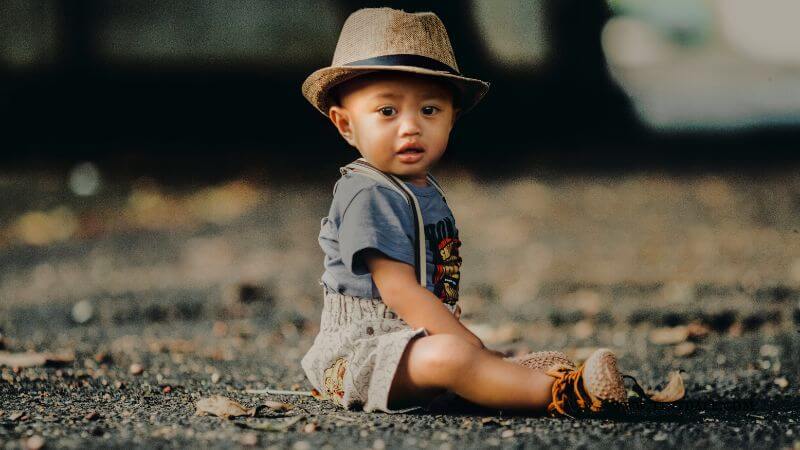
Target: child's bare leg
[{"x": 443, "y": 361}]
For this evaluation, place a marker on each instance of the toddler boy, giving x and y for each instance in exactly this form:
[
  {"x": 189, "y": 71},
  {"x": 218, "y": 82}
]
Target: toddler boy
[{"x": 390, "y": 336}]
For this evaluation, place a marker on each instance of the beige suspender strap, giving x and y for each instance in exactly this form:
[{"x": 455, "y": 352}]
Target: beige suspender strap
[
  {"x": 380, "y": 178},
  {"x": 435, "y": 184},
  {"x": 365, "y": 168}
]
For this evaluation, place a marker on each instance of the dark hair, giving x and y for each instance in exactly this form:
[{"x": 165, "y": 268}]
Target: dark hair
[{"x": 335, "y": 92}]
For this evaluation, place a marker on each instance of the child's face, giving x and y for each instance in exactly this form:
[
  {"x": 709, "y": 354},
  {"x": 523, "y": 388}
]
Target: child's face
[{"x": 385, "y": 113}]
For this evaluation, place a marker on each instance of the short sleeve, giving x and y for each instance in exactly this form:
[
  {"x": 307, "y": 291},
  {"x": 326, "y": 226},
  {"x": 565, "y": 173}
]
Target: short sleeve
[{"x": 378, "y": 218}]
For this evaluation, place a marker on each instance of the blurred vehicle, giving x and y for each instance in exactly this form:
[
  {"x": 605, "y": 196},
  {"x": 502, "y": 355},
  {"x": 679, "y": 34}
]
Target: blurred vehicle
[{"x": 707, "y": 64}]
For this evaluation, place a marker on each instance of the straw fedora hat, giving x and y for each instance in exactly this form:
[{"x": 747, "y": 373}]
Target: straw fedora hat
[{"x": 375, "y": 39}]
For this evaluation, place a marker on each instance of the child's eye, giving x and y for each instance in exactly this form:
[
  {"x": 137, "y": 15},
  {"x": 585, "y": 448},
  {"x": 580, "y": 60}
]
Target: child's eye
[
  {"x": 387, "y": 111},
  {"x": 429, "y": 110}
]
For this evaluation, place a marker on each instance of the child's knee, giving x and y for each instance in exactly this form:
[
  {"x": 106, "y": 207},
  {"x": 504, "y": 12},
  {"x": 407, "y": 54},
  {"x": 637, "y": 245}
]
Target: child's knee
[{"x": 445, "y": 355}]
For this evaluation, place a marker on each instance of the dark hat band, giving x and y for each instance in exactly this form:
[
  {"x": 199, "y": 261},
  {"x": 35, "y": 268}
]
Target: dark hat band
[{"x": 420, "y": 61}]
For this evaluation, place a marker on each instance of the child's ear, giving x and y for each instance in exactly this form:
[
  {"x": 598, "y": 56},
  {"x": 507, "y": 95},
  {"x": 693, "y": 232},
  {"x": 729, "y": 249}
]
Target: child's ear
[{"x": 341, "y": 120}]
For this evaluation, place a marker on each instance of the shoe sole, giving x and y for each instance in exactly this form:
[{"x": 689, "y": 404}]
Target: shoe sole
[{"x": 603, "y": 380}]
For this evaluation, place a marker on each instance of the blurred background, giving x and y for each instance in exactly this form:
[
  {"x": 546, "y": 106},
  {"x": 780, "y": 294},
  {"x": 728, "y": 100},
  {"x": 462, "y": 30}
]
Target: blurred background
[
  {"x": 161, "y": 175},
  {"x": 217, "y": 84}
]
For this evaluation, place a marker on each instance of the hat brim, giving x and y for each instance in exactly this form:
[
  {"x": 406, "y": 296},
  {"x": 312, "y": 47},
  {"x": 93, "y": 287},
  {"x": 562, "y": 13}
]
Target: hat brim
[{"x": 316, "y": 86}]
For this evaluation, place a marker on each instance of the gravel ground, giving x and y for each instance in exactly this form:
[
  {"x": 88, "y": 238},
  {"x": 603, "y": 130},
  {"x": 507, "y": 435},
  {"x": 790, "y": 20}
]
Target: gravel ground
[{"x": 212, "y": 290}]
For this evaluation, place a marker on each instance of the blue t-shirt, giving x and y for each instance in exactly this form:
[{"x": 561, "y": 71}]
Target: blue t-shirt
[{"x": 367, "y": 214}]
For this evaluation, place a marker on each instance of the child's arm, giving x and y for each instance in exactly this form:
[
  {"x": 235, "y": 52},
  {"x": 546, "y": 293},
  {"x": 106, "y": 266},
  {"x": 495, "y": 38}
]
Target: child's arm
[{"x": 416, "y": 305}]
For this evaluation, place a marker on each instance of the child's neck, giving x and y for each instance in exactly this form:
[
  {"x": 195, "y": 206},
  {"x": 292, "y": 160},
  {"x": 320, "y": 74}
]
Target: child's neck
[{"x": 417, "y": 180}]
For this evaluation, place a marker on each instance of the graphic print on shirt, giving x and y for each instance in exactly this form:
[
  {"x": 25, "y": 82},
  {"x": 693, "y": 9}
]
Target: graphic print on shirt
[{"x": 443, "y": 240}]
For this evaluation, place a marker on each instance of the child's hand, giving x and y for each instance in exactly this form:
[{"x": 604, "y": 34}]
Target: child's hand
[{"x": 415, "y": 304}]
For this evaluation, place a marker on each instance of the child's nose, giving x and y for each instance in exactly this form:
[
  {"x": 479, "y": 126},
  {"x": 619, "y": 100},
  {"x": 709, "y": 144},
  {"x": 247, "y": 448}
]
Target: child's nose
[{"x": 409, "y": 125}]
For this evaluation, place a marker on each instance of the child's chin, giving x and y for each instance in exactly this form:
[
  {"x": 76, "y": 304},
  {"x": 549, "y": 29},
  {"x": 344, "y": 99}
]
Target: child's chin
[{"x": 408, "y": 169}]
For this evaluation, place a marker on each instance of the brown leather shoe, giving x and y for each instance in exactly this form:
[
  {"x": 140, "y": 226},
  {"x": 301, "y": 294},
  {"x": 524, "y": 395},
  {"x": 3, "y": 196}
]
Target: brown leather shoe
[
  {"x": 594, "y": 387},
  {"x": 543, "y": 360}
]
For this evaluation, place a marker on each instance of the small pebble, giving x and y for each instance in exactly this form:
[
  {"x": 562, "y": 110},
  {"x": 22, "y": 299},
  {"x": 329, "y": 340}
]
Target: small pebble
[
  {"x": 782, "y": 382},
  {"x": 378, "y": 444},
  {"x": 167, "y": 389},
  {"x": 91, "y": 415},
  {"x": 769, "y": 351},
  {"x": 34, "y": 442},
  {"x": 215, "y": 377},
  {"x": 219, "y": 329},
  {"x": 82, "y": 312},
  {"x": 136, "y": 369},
  {"x": 507, "y": 434},
  {"x": 84, "y": 179},
  {"x": 301, "y": 445},
  {"x": 249, "y": 440}
]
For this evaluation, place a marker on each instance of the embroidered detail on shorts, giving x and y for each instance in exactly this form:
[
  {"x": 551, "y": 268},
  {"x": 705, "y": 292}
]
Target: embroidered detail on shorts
[{"x": 333, "y": 380}]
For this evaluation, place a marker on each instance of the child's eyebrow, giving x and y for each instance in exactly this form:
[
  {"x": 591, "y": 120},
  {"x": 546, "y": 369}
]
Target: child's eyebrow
[{"x": 386, "y": 95}]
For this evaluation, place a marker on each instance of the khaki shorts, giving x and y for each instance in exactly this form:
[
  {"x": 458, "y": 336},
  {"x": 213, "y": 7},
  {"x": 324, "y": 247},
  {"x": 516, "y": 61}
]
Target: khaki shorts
[{"x": 356, "y": 353}]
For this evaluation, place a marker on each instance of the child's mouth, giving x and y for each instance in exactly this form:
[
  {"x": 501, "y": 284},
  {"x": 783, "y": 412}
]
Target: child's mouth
[{"x": 410, "y": 155}]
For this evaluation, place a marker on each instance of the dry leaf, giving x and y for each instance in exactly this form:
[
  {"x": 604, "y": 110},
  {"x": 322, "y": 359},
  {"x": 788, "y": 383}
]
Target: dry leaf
[
  {"x": 32, "y": 359},
  {"x": 697, "y": 330},
  {"x": 224, "y": 407},
  {"x": 45, "y": 227},
  {"x": 685, "y": 349},
  {"x": 223, "y": 204},
  {"x": 319, "y": 395},
  {"x": 669, "y": 335},
  {"x": 672, "y": 392},
  {"x": 278, "y": 406}
]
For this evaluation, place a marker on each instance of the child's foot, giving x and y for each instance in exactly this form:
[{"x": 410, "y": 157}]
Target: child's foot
[
  {"x": 595, "y": 386},
  {"x": 543, "y": 360}
]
